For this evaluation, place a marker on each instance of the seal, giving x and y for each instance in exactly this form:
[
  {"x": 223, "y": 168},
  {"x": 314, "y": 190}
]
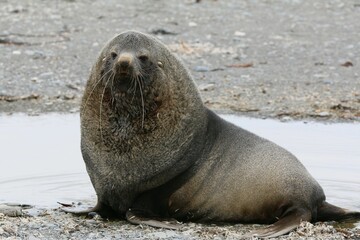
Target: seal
[{"x": 154, "y": 152}]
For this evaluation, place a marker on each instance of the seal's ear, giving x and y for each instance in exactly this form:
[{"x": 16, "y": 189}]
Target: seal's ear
[{"x": 160, "y": 64}]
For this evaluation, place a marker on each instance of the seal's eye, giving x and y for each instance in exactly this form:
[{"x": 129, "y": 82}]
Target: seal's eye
[
  {"x": 143, "y": 58},
  {"x": 113, "y": 55}
]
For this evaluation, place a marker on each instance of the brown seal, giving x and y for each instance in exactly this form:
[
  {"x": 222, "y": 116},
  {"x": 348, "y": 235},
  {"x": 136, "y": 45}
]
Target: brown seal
[{"x": 154, "y": 151}]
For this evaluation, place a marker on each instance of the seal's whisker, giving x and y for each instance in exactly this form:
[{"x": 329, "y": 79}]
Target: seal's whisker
[
  {"x": 141, "y": 77},
  {"x": 112, "y": 77},
  {"x": 100, "y": 111},
  {"x": 142, "y": 102},
  {"x": 95, "y": 85},
  {"x": 133, "y": 80},
  {"x": 133, "y": 84}
]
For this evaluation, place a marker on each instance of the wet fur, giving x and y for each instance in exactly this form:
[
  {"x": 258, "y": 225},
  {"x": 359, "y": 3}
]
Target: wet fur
[{"x": 157, "y": 150}]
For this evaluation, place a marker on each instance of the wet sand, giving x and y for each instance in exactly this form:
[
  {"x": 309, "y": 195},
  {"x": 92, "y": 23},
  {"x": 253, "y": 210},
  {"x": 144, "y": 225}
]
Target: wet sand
[{"x": 284, "y": 59}]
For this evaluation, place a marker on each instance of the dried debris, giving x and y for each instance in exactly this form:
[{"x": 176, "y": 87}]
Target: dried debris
[
  {"x": 240, "y": 65},
  {"x": 347, "y": 64},
  {"x": 162, "y": 31},
  {"x": 8, "y": 98}
]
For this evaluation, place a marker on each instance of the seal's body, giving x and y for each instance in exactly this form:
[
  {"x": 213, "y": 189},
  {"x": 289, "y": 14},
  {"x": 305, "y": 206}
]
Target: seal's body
[{"x": 153, "y": 150}]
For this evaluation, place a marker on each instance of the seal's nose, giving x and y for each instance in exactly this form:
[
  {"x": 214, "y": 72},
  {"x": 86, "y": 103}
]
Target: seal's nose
[{"x": 124, "y": 62}]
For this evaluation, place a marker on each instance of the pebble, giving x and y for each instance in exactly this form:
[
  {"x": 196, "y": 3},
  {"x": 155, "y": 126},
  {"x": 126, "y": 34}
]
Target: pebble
[
  {"x": 286, "y": 119},
  {"x": 240, "y": 34},
  {"x": 201, "y": 69},
  {"x": 192, "y": 24},
  {"x": 324, "y": 114},
  {"x": 319, "y": 75},
  {"x": 32, "y": 237},
  {"x": 68, "y": 96},
  {"x": 35, "y": 54},
  {"x": 46, "y": 74},
  {"x": 206, "y": 87},
  {"x": 11, "y": 211},
  {"x": 74, "y": 110}
]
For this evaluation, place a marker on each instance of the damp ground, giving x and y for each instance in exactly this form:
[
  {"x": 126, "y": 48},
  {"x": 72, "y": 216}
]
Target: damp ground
[{"x": 294, "y": 59}]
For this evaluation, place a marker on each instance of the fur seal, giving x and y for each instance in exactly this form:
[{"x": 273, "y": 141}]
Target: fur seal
[{"x": 153, "y": 151}]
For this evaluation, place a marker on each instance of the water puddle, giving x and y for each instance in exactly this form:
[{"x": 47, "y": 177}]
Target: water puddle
[{"x": 41, "y": 163}]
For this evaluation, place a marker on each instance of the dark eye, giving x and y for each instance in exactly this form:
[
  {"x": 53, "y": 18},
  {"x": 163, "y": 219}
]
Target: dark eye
[
  {"x": 143, "y": 58},
  {"x": 113, "y": 55}
]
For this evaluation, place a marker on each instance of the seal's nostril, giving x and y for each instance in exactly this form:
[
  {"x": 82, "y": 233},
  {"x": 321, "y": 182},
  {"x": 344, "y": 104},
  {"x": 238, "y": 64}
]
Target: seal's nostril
[{"x": 124, "y": 64}]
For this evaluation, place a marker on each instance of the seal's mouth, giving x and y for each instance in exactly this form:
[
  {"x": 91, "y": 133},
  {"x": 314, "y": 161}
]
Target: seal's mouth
[{"x": 122, "y": 82}]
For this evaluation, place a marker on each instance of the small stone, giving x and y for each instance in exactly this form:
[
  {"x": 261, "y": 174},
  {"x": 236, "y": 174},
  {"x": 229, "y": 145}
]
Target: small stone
[
  {"x": 33, "y": 113},
  {"x": 34, "y": 79},
  {"x": 201, "y": 69},
  {"x": 319, "y": 75},
  {"x": 46, "y": 74},
  {"x": 73, "y": 110},
  {"x": 68, "y": 96},
  {"x": 240, "y": 34},
  {"x": 192, "y": 24},
  {"x": 38, "y": 55},
  {"x": 286, "y": 119},
  {"x": 11, "y": 211},
  {"x": 327, "y": 81},
  {"x": 206, "y": 87},
  {"x": 29, "y": 52},
  {"x": 324, "y": 114},
  {"x": 72, "y": 86},
  {"x": 16, "y": 52},
  {"x": 32, "y": 237}
]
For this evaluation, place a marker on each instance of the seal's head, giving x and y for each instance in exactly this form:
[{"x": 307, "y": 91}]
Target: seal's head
[
  {"x": 137, "y": 74},
  {"x": 125, "y": 65}
]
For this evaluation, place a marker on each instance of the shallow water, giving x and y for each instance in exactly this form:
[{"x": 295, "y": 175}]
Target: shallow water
[{"x": 41, "y": 163}]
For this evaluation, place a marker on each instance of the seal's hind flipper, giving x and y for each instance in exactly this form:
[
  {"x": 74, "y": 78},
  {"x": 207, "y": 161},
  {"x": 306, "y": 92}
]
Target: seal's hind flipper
[
  {"x": 329, "y": 212},
  {"x": 283, "y": 226},
  {"x": 136, "y": 218}
]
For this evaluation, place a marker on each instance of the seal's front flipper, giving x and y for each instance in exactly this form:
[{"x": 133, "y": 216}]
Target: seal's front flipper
[
  {"x": 283, "y": 226},
  {"x": 99, "y": 209},
  {"x": 137, "y": 218},
  {"x": 84, "y": 212}
]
